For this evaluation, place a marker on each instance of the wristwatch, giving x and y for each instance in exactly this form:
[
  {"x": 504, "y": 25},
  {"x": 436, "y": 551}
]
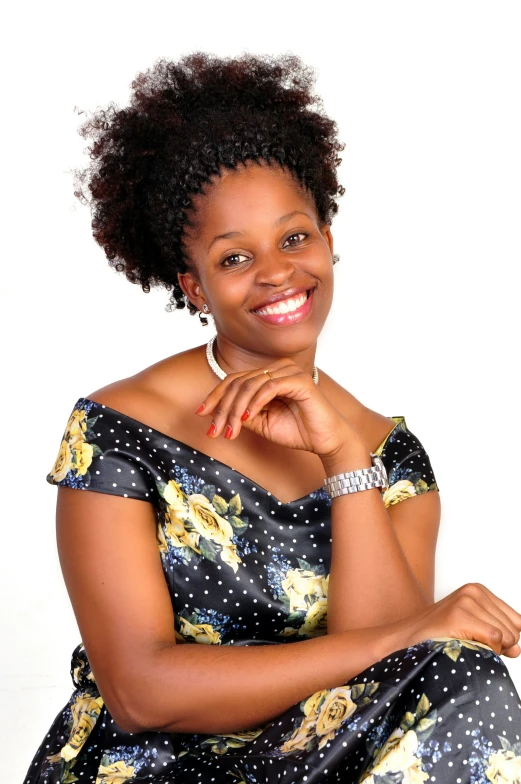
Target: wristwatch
[{"x": 355, "y": 481}]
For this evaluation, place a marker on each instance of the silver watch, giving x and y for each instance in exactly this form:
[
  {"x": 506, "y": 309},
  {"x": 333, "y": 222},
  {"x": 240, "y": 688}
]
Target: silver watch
[{"x": 354, "y": 481}]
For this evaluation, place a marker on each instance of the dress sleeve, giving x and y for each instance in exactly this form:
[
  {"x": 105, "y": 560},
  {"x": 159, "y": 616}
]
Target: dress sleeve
[
  {"x": 97, "y": 452},
  {"x": 407, "y": 463}
]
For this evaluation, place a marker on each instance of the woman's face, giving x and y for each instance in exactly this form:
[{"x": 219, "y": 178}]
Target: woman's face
[{"x": 261, "y": 261}]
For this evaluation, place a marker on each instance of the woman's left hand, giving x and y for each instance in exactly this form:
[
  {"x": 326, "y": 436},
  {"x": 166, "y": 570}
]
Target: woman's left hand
[{"x": 284, "y": 406}]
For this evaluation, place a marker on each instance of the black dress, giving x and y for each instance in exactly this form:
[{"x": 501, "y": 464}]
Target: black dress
[{"x": 243, "y": 568}]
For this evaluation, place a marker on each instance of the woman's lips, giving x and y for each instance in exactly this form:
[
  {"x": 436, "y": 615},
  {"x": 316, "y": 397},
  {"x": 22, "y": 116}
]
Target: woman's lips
[{"x": 281, "y": 318}]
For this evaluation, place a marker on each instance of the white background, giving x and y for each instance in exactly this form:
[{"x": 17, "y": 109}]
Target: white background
[{"x": 425, "y": 318}]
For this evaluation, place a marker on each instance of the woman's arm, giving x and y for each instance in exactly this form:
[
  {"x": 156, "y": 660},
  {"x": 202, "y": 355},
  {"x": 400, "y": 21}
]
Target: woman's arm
[
  {"x": 371, "y": 581},
  {"x": 111, "y": 564},
  {"x": 416, "y": 523}
]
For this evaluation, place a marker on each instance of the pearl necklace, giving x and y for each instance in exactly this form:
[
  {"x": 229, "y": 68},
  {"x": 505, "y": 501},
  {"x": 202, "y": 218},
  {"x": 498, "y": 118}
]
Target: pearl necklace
[{"x": 217, "y": 369}]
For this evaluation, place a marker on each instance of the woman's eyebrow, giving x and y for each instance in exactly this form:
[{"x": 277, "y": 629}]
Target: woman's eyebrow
[
  {"x": 229, "y": 234},
  {"x": 225, "y": 236},
  {"x": 290, "y": 215}
]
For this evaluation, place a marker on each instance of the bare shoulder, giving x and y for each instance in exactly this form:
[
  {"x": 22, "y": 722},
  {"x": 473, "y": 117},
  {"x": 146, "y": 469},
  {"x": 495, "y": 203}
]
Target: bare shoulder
[
  {"x": 373, "y": 427},
  {"x": 159, "y": 394}
]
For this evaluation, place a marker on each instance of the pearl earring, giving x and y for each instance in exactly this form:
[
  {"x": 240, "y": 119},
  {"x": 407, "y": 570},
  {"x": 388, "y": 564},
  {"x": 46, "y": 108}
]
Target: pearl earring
[{"x": 206, "y": 309}]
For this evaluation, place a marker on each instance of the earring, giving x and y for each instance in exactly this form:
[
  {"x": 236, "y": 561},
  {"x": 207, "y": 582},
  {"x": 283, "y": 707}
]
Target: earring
[
  {"x": 336, "y": 258},
  {"x": 206, "y": 309}
]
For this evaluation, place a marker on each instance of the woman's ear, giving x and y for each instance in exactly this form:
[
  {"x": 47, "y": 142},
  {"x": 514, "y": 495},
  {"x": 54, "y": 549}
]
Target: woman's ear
[
  {"x": 191, "y": 288},
  {"x": 326, "y": 233}
]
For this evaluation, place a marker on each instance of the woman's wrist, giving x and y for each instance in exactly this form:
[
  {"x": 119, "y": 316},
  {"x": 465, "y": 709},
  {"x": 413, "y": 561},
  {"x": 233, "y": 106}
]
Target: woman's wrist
[{"x": 352, "y": 454}]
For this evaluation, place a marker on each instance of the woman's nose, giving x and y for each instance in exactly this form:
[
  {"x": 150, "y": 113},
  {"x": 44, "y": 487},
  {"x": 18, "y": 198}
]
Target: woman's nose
[{"x": 274, "y": 268}]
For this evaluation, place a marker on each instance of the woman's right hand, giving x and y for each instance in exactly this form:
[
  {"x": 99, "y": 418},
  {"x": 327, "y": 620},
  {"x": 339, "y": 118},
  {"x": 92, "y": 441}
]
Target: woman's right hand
[{"x": 472, "y": 612}]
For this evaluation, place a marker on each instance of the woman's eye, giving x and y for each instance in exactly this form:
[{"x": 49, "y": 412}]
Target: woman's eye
[
  {"x": 294, "y": 239},
  {"x": 233, "y": 260}
]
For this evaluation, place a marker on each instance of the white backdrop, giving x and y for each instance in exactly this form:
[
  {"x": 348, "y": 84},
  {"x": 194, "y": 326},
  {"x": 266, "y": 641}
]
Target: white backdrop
[{"x": 427, "y": 99}]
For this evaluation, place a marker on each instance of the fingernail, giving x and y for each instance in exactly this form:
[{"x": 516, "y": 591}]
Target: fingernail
[
  {"x": 211, "y": 430},
  {"x": 201, "y": 407},
  {"x": 228, "y": 432},
  {"x": 245, "y": 416}
]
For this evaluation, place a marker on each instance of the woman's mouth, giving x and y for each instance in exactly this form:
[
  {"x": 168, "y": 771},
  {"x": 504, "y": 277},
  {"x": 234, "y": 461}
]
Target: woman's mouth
[{"x": 287, "y": 311}]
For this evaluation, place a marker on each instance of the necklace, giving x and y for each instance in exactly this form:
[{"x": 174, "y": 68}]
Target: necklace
[{"x": 217, "y": 369}]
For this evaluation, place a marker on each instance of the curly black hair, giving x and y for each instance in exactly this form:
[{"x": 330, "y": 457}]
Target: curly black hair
[{"x": 186, "y": 122}]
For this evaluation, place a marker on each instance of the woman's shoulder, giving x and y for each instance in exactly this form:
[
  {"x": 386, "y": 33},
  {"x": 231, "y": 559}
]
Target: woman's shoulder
[
  {"x": 158, "y": 395},
  {"x": 103, "y": 444}
]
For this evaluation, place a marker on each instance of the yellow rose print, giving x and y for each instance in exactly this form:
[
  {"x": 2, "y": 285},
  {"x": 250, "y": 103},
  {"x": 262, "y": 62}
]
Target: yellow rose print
[
  {"x": 82, "y": 457},
  {"x": 504, "y": 767},
  {"x": 289, "y": 631},
  {"x": 207, "y": 522},
  {"x": 63, "y": 463},
  {"x": 220, "y": 744},
  {"x": 300, "y": 737},
  {"x": 117, "y": 773},
  {"x": 200, "y": 633},
  {"x": 76, "y": 453},
  {"x": 191, "y": 540},
  {"x": 315, "y": 622},
  {"x": 312, "y": 703},
  {"x": 302, "y": 587},
  {"x": 336, "y": 708},
  {"x": 176, "y": 532},
  {"x": 246, "y": 737},
  {"x": 85, "y": 712},
  {"x": 76, "y": 426},
  {"x": 176, "y": 500},
  {"x": 306, "y": 593},
  {"x": 398, "y": 755},
  {"x": 229, "y": 556},
  {"x": 161, "y": 540},
  {"x": 324, "y": 713},
  {"x": 77, "y": 673},
  {"x": 400, "y": 491},
  {"x": 453, "y": 646}
]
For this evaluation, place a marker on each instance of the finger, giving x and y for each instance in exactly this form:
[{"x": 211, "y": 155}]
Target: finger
[
  {"x": 482, "y": 593},
  {"x": 223, "y": 419},
  {"x": 289, "y": 384},
  {"x": 513, "y": 615},
  {"x": 479, "y": 603},
  {"x": 496, "y": 610},
  {"x": 512, "y": 652},
  {"x": 218, "y": 391},
  {"x": 479, "y": 630},
  {"x": 243, "y": 409},
  {"x": 508, "y": 637},
  {"x": 222, "y": 404}
]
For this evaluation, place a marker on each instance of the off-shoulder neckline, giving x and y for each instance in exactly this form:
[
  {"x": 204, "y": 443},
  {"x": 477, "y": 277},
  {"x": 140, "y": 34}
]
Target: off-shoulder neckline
[{"x": 378, "y": 451}]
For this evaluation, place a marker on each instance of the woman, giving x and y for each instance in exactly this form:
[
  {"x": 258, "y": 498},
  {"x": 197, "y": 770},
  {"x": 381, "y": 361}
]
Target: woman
[{"x": 219, "y": 181}]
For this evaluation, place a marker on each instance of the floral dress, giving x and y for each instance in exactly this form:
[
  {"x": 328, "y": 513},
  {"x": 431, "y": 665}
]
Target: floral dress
[{"x": 243, "y": 568}]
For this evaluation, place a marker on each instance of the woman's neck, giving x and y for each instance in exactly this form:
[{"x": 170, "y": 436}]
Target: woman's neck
[{"x": 235, "y": 359}]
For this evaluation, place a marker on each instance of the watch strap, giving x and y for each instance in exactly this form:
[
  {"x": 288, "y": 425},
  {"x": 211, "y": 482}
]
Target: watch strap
[{"x": 371, "y": 478}]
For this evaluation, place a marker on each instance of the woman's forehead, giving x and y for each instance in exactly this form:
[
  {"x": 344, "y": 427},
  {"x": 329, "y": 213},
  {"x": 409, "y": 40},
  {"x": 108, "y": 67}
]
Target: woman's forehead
[{"x": 251, "y": 193}]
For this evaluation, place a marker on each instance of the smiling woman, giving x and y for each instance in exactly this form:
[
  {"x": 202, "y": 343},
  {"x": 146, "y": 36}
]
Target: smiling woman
[
  {"x": 243, "y": 619},
  {"x": 272, "y": 269}
]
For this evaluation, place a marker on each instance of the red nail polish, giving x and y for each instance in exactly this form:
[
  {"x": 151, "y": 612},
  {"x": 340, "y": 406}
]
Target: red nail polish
[
  {"x": 201, "y": 407},
  {"x": 228, "y": 431},
  {"x": 211, "y": 430},
  {"x": 245, "y": 416}
]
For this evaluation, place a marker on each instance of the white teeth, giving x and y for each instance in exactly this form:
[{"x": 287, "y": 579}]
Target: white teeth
[{"x": 284, "y": 306}]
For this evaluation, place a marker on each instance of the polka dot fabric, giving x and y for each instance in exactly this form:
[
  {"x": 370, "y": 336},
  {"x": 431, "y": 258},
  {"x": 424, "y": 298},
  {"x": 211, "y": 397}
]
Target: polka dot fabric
[{"x": 243, "y": 568}]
